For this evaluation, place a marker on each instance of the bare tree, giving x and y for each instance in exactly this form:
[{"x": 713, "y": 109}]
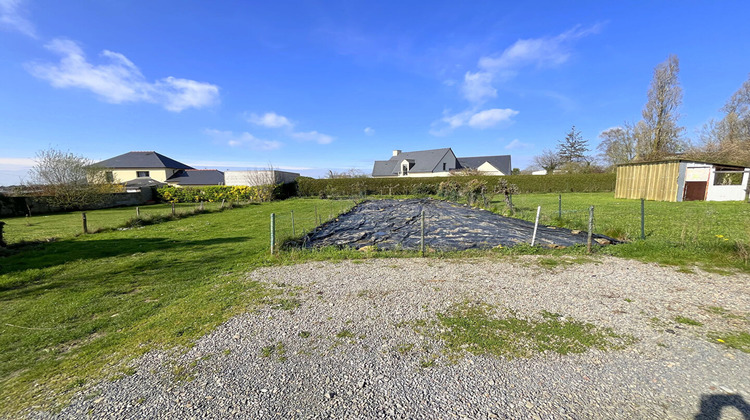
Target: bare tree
[
  {"x": 662, "y": 134},
  {"x": 618, "y": 144},
  {"x": 68, "y": 181},
  {"x": 261, "y": 176},
  {"x": 728, "y": 140},
  {"x": 351, "y": 173},
  {"x": 548, "y": 160}
]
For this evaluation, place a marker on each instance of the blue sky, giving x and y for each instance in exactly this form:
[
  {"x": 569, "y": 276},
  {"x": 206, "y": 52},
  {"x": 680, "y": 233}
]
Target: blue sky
[{"x": 313, "y": 86}]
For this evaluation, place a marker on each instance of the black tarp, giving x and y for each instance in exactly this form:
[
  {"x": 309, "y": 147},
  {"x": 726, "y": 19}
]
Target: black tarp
[{"x": 394, "y": 224}]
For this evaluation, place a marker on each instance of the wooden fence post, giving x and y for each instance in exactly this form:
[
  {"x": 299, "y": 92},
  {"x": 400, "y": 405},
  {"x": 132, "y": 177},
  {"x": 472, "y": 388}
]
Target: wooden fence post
[
  {"x": 294, "y": 231},
  {"x": 85, "y": 227},
  {"x": 273, "y": 231},
  {"x": 137, "y": 212},
  {"x": 559, "y": 206},
  {"x": 2, "y": 243}
]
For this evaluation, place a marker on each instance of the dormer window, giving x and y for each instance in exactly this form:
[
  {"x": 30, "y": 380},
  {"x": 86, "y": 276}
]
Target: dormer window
[{"x": 405, "y": 169}]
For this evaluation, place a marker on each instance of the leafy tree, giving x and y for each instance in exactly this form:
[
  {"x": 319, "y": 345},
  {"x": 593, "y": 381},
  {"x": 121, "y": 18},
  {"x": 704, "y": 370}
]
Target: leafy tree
[
  {"x": 573, "y": 148},
  {"x": 548, "y": 160},
  {"x": 68, "y": 181},
  {"x": 618, "y": 144},
  {"x": 660, "y": 134}
]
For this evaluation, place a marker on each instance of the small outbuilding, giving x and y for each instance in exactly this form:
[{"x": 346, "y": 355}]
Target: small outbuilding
[{"x": 682, "y": 180}]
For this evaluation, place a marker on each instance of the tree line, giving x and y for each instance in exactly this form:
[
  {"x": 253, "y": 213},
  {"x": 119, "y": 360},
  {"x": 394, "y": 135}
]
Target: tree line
[{"x": 658, "y": 134}]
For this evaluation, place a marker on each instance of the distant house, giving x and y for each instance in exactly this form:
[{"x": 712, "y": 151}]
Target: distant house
[
  {"x": 143, "y": 168},
  {"x": 438, "y": 162},
  {"x": 259, "y": 177},
  {"x": 682, "y": 180},
  {"x": 196, "y": 178},
  {"x": 138, "y": 170}
]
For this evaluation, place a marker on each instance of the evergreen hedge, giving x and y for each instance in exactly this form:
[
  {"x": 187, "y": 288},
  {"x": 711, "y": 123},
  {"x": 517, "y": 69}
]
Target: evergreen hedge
[{"x": 559, "y": 183}]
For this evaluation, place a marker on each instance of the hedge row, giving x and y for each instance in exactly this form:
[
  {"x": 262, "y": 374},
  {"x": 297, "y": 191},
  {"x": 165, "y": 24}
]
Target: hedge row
[
  {"x": 215, "y": 193},
  {"x": 310, "y": 187}
]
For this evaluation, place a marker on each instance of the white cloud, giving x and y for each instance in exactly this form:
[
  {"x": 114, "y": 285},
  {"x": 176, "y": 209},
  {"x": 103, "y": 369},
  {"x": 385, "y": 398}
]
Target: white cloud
[
  {"x": 11, "y": 18},
  {"x": 491, "y": 117},
  {"x": 517, "y": 145},
  {"x": 243, "y": 139},
  {"x": 319, "y": 138},
  {"x": 479, "y": 120},
  {"x": 478, "y": 86},
  {"x": 120, "y": 80},
  {"x": 370, "y": 131},
  {"x": 270, "y": 119},
  {"x": 243, "y": 165},
  {"x": 17, "y": 163}
]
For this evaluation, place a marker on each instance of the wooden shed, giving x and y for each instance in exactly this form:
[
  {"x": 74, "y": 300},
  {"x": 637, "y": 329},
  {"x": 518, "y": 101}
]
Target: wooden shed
[{"x": 682, "y": 180}]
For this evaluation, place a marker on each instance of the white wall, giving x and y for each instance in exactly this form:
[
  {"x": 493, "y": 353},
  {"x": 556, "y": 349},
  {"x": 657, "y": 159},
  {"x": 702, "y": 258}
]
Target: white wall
[
  {"x": 726, "y": 192},
  {"x": 253, "y": 178}
]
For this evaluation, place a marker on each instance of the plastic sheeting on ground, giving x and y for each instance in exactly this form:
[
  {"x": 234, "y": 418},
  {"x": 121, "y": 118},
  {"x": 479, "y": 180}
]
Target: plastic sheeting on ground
[{"x": 396, "y": 224}]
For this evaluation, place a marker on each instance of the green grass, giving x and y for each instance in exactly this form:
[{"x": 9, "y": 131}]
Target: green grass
[
  {"x": 687, "y": 321},
  {"x": 78, "y": 309},
  {"x": 478, "y": 329},
  {"x": 712, "y": 235},
  {"x": 736, "y": 340}
]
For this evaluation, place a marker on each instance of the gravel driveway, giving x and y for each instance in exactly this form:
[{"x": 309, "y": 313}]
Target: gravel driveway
[{"x": 349, "y": 351}]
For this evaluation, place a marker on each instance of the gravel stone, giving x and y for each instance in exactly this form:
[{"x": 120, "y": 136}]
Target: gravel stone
[{"x": 380, "y": 368}]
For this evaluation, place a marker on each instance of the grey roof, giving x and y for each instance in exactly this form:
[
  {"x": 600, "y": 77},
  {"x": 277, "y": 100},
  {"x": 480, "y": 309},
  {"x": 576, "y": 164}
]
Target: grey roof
[
  {"x": 143, "y": 182},
  {"x": 424, "y": 161},
  {"x": 197, "y": 177},
  {"x": 501, "y": 162},
  {"x": 142, "y": 160}
]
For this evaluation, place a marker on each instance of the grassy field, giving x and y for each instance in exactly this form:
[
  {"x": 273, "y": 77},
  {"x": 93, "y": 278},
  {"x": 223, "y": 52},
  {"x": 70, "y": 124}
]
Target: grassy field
[
  {"x": 712, "y": 235},
  {"x": 76, "y": 309}
]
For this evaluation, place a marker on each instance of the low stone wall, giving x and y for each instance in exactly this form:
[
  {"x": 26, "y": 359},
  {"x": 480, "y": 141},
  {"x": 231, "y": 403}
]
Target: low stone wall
[{"x": 21, "y": 206}]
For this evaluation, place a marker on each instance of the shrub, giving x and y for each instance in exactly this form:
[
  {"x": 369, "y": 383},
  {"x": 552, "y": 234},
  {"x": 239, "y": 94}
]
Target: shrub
[{"x": 216, "y": 193}]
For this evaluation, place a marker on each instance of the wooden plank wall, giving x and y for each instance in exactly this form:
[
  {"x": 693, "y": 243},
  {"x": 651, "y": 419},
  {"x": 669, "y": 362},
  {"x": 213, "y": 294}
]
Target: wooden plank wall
[{"x": 652, "y": 181}]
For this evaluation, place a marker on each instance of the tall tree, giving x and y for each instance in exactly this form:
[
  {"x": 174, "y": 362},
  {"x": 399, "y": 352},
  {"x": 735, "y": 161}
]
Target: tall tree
[
  {"x": 662, "y": 135},
  {"x": 573, "y": 148},
  {"x": 618, "y": 144}
]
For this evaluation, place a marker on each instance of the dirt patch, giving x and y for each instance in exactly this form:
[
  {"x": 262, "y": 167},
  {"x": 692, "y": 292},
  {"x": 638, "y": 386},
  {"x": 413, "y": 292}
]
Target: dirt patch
[{"x": 392, "y": 224}]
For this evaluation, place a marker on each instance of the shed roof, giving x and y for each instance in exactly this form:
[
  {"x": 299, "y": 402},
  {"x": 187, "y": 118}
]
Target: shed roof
[
  {"x": 197, "y": 177},
  {"x": 142, "y": 160},
  {"x": 681, "y": 160}
]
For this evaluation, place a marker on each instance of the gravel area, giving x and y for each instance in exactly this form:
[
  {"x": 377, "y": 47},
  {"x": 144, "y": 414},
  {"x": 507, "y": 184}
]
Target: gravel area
[
  {"x": 348, "y": 351},
  {"x": 392, "y": 224}
]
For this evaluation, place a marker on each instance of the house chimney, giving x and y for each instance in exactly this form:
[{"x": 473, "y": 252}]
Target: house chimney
[{"x": 396, "y": 152}]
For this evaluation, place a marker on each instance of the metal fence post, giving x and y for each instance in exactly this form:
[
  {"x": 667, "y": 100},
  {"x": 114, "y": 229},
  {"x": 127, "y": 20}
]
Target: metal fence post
[
  {"x": 643, "y": 219},
  {"x": 536, "y": 224},
  {"x": 591, "y": 228},
  {"x": 85, "y": 226},
  {"x": 421, "y": 241},
  {"x": 294, "y": 231},
  {"x": 173, "y": 208},
  {"x": 138, "y": 212},
  {"x": 559, "y": 206},
  {"x": 317, "y": 219},
  {"x": 273, "y": 231}
]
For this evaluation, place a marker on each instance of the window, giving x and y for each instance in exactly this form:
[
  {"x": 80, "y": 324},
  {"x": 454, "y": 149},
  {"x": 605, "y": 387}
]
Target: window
[
  {"x": 143, "y": 174},
  {"x": 405, "y": 169},
  {"x": 445, "y": 166},
  {"x": 109, "y": 177},
  {"x": 728, "y": 178}
]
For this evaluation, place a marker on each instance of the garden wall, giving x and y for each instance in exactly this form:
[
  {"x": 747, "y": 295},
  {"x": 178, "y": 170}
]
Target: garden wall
[{"x": 20, "y": 206}]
